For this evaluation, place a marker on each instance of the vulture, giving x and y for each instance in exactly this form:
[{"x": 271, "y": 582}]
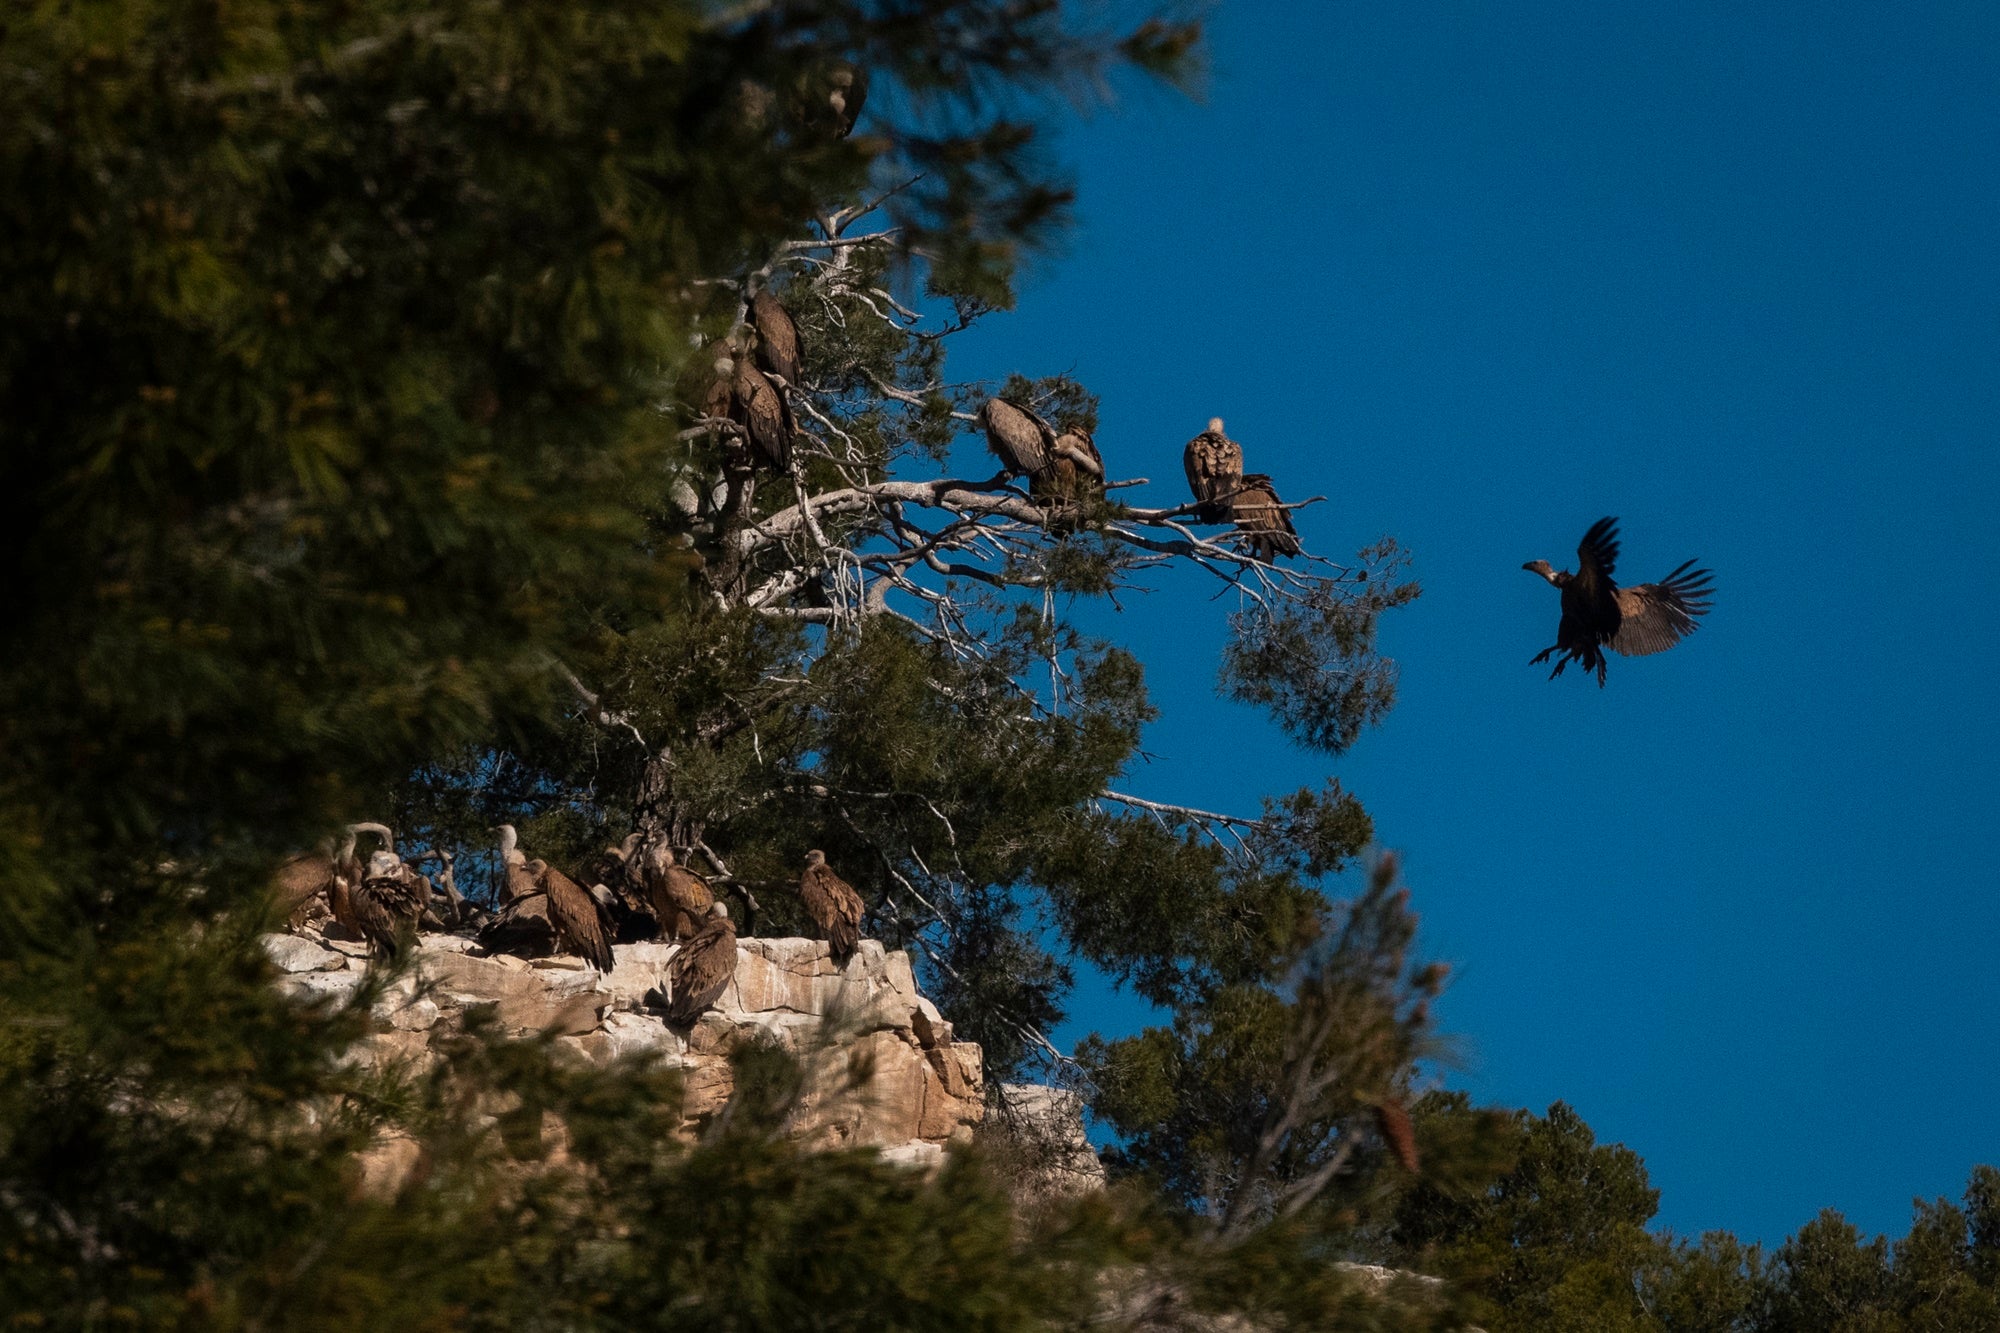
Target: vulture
[
  {"x": 848, "y": 94},
  {"x": 759, "y": 407},
  {"x": 1214, "y": 464},
  {"x": 1598, "y": 614},
  {"x": 347, "y": 873},
  {"x": 701, "y": 969},
  {"x": 1075, "y": 471},
  {"x": 582, "y": 925},
  {"x": 389, "y": 902},
  {"x": 614, "y": 870},
  {"x": 1021, "y": 440},
  {"x": 833, "y": 905},
  {"x": 516, "y": 882},
  {"x": 1261, "y": 515},
  {"x": 301, "y": 878},
  {"x": 680, "y": 897},
  {"x": 778, "y": 349},
  {"x": 1392, "y": 1122}
]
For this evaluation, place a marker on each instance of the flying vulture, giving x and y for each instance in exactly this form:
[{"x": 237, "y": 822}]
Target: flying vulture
[
  {"x": 582, "y": 925},
  {"x": 1260, "y": 514},
  {"x": 779, "y": 351},
  {"x": 388, "y": 903},
  {"x": 1214, "y": 464},
  {"x": 1598, "y": 614},
  {"x": 833, "y": 905},
  {"x": 1075, "y": 470},
  {"x": 680, "y": 898},
  {"x": 701, "y": 969},
  {"x": 1021, "y": 440},
  {"x": 759, "y": 407}
]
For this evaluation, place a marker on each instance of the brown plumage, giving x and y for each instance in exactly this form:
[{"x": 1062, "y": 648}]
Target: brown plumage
[
  {"x": 847, "y": 94},
  {"x": 388, "y": 903},
  {"x": 681, "y": 899},
  {"x": 757, "y": 405},
  {"x": 1214, "y": 465},
  {"x": 779, "y": 350},
  {"x": 582, "y": 925},
  {"x": 1259, "y": 513},
  {"x": 614, "y": 870},
  {"x": 701, "y": 969},
  {"x": 1075, "y": 471},
  {"x": 1598, "y": 614},
  {"x": 1021, "y": 440},
  {"x": 300, "y": 879},
  {"x": 348, "y": 872},
  {"x": 1393, "y": 1123},
  {"x": 833, "y": 905}
]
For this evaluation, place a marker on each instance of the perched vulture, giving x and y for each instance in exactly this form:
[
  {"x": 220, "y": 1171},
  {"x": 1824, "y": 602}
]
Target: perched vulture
[
  {"x": 1598, "y": 614},
  {"x": 516, "y": 882},
  {"x": 848, "y": 93},
  {"x": 1392, "y": 1122},
  {"x": 389, "y": 902},
  {"x": 1214, "y": 464},
  {"x": 700, "y": 969},
  {"x": 759, "y": 407},
  {"x": 779, "y": 351},
  {"x": 680, "y": 898},
  {"x": 348, "y": 873},
  {"x": 1021, "y": 440},
  {"x": 833, "y": 905},
  {"x": 302, "y": 878},
  {"x": 582, "y": 925},
  {"x": 1261, "y": 515},
  {"x": 1075, "y": 471},
  {"x": 614, "y": 870}
]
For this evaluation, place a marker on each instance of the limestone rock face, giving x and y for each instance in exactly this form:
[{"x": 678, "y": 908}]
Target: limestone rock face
[
  {"x": 1041, "y": 1128},
  {"x": 881, "y": 1066}
]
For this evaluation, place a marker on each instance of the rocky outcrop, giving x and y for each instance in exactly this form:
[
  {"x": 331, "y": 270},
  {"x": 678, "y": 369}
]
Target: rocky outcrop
[
  {"x": 1038, "y": 1131},
  {"x": 880, "y": 1066}
]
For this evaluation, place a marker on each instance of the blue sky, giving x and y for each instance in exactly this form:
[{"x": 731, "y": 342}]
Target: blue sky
[{"x": 1482, "y": 273}]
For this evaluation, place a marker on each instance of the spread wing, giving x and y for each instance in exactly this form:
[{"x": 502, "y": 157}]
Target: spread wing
[
  {"x": 778, "y": 347},
  {"x": 579, "y": 919},
  {"x": 1597, "y": 559},
  {"x": 1653, "y": 617},
  {"x": 701, "y": 970},
  {"x": 1021, "y": 440}
]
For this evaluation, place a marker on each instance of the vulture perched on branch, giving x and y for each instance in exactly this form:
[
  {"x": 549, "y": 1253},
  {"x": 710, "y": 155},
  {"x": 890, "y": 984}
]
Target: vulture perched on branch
[
  {"x": 681, "y": 899},
  {"x": 779, "y": 351},
  {"x": 1598, "y": 614},
  {"x": 760, "y": 408},
  {"x": 1021, "y": 440},
  {"x": 833, "y": 905},
  {"x": 701, "y": 969},
  {"x": 1214, "y": 464},
  {"x": 1261, "y": 515},
  {"x": 1075, "y": 471}
]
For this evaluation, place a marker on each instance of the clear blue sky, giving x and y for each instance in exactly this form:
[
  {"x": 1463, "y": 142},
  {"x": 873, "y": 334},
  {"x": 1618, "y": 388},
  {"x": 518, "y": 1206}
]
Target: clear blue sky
[{"x": 1484, "y": 272}]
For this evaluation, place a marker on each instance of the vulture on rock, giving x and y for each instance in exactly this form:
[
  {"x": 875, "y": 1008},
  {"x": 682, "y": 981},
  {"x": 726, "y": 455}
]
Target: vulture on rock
[
  {"x": 1598, "y": 614},
  {"x": 779, "y": 351},
  {"x": 389, "y": 902},
  {"x": 1261, "y": 515},
  {"x": 614, "y": 870},
  {"x": 701, "y": 969},
  {"x": 681, "y": 899},
  {"x": 833, "y": 905},
  {"x": 1214, "y": 464},
  {"x": 583, "y": 927},
  {"x": 1021, "y": 440},
  {"x": 516, "y": 882}
]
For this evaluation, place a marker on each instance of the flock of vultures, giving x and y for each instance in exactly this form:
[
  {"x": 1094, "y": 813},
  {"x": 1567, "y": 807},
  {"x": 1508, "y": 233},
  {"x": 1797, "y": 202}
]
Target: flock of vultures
[
  {"x": 1064, "y": 468},
  {"x": 638, "y": 891}
]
